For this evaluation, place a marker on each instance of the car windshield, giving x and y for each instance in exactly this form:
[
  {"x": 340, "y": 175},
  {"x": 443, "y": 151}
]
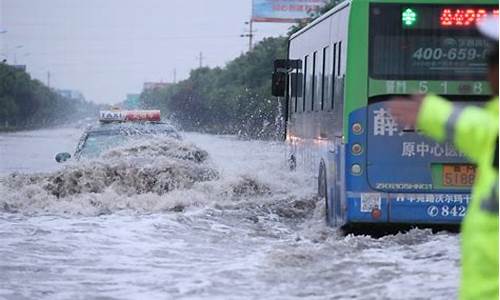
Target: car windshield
[
  {"x": 97, "y": 143},
  {"x": 111, "y": 136}
]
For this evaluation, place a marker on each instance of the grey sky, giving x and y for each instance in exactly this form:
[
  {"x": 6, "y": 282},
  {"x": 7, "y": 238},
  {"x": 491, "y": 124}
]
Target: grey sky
[{"x": 108, "y": 48}]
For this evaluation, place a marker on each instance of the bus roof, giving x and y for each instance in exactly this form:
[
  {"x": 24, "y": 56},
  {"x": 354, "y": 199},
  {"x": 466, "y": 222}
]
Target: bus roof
[{"x": 335, "y": 9}]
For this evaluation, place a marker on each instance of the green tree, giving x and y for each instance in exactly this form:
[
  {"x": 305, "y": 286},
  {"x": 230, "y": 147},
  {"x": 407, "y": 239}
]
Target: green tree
[
  {"x": 235, "y": 99},
  {"x": 28, "y": 103}
]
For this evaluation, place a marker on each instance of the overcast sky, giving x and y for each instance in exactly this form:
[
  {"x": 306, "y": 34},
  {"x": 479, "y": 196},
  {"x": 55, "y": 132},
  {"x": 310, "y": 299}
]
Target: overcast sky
[{"x": 108, "y": 48}]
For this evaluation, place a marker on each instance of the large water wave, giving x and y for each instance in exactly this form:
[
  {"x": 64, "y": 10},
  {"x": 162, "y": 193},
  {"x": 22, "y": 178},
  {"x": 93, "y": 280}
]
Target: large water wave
[
  {"x": 150, "y": 176},
  {"x": 137, "y": 172}
]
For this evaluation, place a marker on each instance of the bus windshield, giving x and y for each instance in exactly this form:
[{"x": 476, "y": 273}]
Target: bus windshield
[{"x": 430, "y": 42}]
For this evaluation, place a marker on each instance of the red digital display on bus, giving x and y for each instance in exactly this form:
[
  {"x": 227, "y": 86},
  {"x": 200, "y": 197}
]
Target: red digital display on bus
[
  {"x": 463, "y": 17},
  {"x": 428, "y": 41}
]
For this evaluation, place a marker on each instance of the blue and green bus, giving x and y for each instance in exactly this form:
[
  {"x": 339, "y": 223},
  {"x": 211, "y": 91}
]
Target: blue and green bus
[{"x": 341, "y": 70}]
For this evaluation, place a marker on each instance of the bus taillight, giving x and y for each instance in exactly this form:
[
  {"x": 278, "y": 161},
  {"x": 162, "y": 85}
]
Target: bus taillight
[
  {"x": 356, "y": 149},
  {"x": 376, "y": 213},
  {"x": 357, "y": 128}
]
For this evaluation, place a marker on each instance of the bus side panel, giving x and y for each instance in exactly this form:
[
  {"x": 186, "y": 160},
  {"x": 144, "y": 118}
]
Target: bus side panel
[{"x": 315, "y": 122}]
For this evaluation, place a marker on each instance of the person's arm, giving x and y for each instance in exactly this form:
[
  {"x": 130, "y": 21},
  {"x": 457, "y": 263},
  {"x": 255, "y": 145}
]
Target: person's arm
[
  {"x": 469, "y": 128},
  {"x": 433, "y": 116}
]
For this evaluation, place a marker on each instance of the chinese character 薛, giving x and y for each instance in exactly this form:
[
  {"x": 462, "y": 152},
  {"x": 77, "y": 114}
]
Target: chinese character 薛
[{"x": 384, "y": 123}]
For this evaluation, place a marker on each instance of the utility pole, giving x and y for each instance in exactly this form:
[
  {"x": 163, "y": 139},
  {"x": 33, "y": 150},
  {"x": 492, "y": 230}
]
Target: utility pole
[
  {"x": 15, "y": 52},
  {"x": 201, "y": 57},
  {"x": 175, "y": 75},
  {"x": 249, "y": 34},
  {"x": 48, "y": 79}
]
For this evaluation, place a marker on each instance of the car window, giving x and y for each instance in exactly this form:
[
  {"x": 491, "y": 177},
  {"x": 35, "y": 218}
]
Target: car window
[{"x": 95, "y": 144}]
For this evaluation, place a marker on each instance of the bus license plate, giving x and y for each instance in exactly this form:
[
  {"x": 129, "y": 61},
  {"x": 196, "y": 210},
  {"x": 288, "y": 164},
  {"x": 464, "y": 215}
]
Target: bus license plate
[{"x": 458, "y": 175}]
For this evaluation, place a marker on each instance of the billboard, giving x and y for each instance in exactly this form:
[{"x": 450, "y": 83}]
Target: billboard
[{"x": 286, "y": 11}]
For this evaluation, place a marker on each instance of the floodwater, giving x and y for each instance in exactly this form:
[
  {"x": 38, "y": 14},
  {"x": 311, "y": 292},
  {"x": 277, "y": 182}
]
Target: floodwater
[{"x": 225, "y": 220}]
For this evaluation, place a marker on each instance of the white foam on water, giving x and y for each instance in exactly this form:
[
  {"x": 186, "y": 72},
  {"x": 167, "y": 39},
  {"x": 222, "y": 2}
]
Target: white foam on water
[
  {"x": 133, "y": 177},
  {"x": 230, "y": 221}
]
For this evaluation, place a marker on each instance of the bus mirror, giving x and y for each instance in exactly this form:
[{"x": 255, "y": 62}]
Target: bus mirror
[{"x": 279, "y": 84}]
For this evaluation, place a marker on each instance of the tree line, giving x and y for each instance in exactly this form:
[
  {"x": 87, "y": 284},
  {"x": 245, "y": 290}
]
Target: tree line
[
  {"x": 26, "y": 103},
  {"x": 235, "y": 99}
]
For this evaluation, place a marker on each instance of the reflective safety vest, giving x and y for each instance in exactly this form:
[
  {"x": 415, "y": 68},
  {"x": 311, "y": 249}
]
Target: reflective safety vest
[{"x": 474, "y": 132}]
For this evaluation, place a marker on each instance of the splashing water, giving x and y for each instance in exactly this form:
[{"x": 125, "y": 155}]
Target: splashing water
[
  {"x": 224, "y": 219},
  {"x": 113, "y": 182}
]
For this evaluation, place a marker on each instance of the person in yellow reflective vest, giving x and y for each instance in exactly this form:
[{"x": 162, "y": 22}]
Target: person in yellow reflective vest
[{"x": 474, "y": 131}]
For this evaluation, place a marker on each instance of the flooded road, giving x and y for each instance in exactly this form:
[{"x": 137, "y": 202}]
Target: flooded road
[{"x": 237, "y": 225}]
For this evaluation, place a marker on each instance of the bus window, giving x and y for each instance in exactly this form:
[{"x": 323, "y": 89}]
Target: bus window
[
  {"x": 338, "y": 94},
  {"x": 340, "y": 59},
  {"x": 318, "y": 99},
  {"x": 334, "y": 60},
  {"x": 299, "y": 87},
  {"x": 304, "y": 85},
  {"x": 324, "y": 83},
  {"x": 313, "y": 80},
  {"x": 309, "y": 84}
]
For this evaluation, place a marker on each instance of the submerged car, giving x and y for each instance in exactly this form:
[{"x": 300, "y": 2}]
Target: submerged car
[{"x": 117, "y": 128}]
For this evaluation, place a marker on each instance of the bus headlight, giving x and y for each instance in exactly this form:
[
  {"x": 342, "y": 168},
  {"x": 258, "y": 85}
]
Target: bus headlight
[
  {"x": 357, "y": 128},
  {"x": 356, "y": 169},
  {"x": 356, "y": 149}
]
